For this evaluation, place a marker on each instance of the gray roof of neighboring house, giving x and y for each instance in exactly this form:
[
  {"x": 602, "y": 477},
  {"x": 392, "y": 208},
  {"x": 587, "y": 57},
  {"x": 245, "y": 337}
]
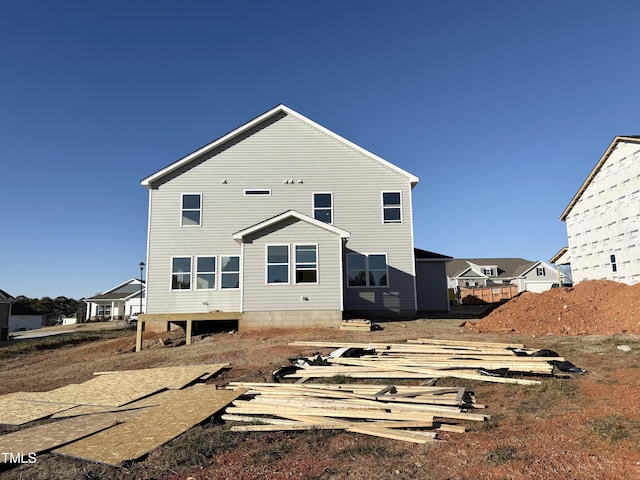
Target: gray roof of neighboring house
[
  {"x": 5, "y": 296},
  {"x": 507, "y": 267},
  {"x": 22, "y": 309}
]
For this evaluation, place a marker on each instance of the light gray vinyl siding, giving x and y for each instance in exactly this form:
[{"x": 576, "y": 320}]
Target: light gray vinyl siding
[
  {"x": 293, "y": 160},
  {"x": 431, "y": 285},
  {"x": 324, "y": 295}
]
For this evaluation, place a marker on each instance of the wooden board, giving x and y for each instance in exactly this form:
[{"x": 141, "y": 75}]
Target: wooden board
[
  {"x": 15, "y": 409},
  {"x": 178, "y": 411},
  {"x": 43, "y": 438},
  {"x": 120, "y": 388}
]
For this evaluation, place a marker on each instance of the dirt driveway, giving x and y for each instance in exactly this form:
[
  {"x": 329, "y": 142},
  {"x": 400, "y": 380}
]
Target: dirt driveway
[{"x": 584, "y": 426}]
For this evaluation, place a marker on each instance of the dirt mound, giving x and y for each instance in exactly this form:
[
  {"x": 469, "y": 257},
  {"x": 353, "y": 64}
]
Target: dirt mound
[{"x": 595, "y": 307}]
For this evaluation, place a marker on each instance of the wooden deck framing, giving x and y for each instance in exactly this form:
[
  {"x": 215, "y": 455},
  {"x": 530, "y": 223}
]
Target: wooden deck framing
[{"x": 162, "y": 322}]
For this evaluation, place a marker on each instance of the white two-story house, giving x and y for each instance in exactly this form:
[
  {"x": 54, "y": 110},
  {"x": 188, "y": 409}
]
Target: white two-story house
[
  {"x": 603, "y": 218},
  {"x": 283, "y": 222}
]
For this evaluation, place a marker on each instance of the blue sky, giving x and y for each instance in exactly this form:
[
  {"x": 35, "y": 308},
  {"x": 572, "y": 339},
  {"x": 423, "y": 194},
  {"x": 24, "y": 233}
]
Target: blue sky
[{"x": 502, "y": 108}]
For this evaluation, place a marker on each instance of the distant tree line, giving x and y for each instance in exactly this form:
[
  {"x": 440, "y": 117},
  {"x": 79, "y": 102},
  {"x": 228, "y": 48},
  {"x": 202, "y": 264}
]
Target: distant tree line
[{"x": 53, "y": 309}]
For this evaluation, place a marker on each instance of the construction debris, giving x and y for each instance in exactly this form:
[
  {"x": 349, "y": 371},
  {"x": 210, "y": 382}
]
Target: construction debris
[
  {"x": 116, "y": 416},
  {"x": 382, "y": 409},
  {"x": 371, "y": 409},
  {"x": 357, "y": 324}
]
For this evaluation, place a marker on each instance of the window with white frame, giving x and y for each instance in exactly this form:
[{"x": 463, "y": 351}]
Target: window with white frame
[
  {"x": 323, "y": 207},
  {"x": 391, "y": 207},
  {"x": 487, "y": 271},
  {"x": 206, "y": 273},
  {"x": 277, "y": 264},
  {"x": 306, "y": 263},
  {"x": 229, "y": 271},
  {"x": 540, "y": 271},
  {"x": 181, "y": 273},
  {"x": 367, "y": 270},
  {"x": 103, "y": 310},
  {"x": 191, "y": 209},
  {"x": 614, "y": 265}
]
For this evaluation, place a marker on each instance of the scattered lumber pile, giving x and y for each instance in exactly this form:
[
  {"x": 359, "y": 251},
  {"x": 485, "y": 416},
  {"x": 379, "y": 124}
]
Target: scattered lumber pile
[
  {"x": 430, "y": 358},
  {"x": 381, "y": 410},
  {"x": 357, "y": 324},
  {"x": 385, "y": 409}
]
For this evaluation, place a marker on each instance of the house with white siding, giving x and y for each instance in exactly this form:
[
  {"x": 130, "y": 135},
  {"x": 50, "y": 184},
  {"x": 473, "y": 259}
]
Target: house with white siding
[
  {"x": 603, "y": 218},
  {"x": 117, "y": 303},
  {"x": 282, "y": 222}
]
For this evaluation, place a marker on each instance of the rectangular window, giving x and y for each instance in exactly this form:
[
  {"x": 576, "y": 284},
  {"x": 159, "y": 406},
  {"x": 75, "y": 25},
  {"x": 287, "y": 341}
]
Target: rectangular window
[
  {"x": 486, "y": 271},
  {"x": 306, "y": 264},
  {"x": 191, "y": 209},
  {"x": 103, "y": 310},
  {"x": 181, "y": 273},
  {"x": 323, "y": 207},
  {"x": 206, "y": 273},
  {"x": 614, "y": 266},
  {"x": 277, "y": 264},
  {"x": 230, "y": 272},
  {"x": 367, "y": 270},
  {"x": 392, "y": 207},
  {"x": 540, "y": 271},
  {"x": 257, "y": 192}
]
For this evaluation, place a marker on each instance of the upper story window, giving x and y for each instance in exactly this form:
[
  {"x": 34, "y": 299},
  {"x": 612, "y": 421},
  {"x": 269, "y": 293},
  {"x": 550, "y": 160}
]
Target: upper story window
[
  {"x": 614, "y": 265},
  {"x": 306, "y": 263},
  {"x": 367, "y": 270},
  {"x": 277, "y": 264},
  {"x": 323, "y": 207},
  {"x": 391, "y": 207},
  {"x": 181, "y": 273},
  {"x": 191, "y": 209},
  {"x": 206, "y": 273},
  {"x": 230, "y": 272},
  {"x": 540, "y": 271},
  {"x": 487, "y": 271}
]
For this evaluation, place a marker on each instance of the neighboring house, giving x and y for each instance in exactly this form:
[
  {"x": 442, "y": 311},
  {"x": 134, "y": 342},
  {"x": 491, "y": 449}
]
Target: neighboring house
[
  {"x": 6, "y": 301},
  {"x": 118, "y": 302},
  {"x": 603, "y": 217},
  {"x": 486, "y": 272},
  {"x": 24, "y": 318},
  {"x": 283, "y": 222},
  {"x": 562, "y": 260}
]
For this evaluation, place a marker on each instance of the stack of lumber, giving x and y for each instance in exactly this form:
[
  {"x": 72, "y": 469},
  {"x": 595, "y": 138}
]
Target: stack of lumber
[
  {"x": 430, "y": 358},
  {"x": 380, "y": 410},
  {"x": 357, "y": 324}
]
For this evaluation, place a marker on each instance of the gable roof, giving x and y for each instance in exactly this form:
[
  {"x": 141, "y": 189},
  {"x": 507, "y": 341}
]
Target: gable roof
[
  {"x": 280, "y": 109},
  {"x": 507, "y": 267},
  {"x": 124, "y": 291},
  {"x": 618, "y": 139},
  {"x": 284, "y": 216},
  {"x": 5, "y": 297}
]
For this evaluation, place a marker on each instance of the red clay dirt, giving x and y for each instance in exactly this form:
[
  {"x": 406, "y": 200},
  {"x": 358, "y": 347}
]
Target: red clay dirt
[{"x": 596, "y": 307}]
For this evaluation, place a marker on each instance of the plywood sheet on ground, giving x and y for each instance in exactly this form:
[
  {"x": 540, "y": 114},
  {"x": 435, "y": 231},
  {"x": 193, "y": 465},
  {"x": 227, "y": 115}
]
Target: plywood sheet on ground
[
  {"x": 43, "y": 438},
  {"x": 14, "y": 411},
  {"x": 120, "y": 388},
  {"x": 178, "y": 411}
]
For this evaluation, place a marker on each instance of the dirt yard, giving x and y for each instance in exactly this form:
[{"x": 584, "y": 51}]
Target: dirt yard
[{"x": 578, "y": 427}]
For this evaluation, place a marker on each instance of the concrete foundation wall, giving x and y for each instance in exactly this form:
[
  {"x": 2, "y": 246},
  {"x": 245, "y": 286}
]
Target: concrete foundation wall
[{"x": 290, "y": 319}]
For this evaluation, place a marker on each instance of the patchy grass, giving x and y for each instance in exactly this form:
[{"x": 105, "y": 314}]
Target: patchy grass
[
  {"x": 614, "y": 427},
  {"x": 24, "y": 347},
  {"x": 501, "y": 455}
]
